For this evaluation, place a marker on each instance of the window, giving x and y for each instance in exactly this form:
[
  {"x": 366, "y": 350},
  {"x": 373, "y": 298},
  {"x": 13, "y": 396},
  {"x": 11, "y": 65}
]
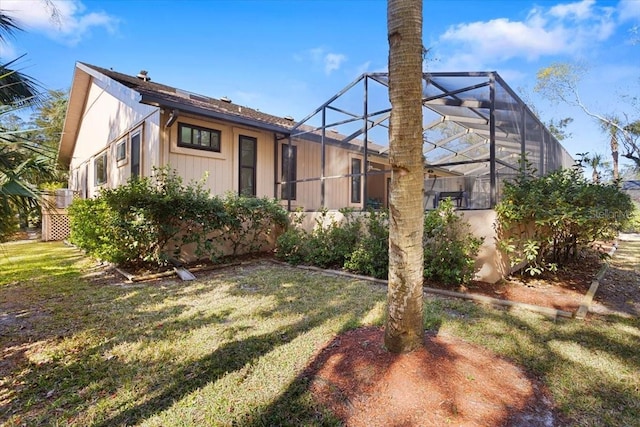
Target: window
[
  {"x": 197, "y": 137},
  {"x": 248, "y": 159},
  {"x": 356, "y": 170},
  {"x": 289, "y": 166},
  {"x": 135, "y": 155},
  {"x": 121, "y": 150},
  {"x": 100, "y": 169}
]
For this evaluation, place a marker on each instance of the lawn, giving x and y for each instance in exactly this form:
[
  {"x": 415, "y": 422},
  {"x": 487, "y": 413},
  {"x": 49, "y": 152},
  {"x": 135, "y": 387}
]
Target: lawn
[{"x": 227, "y": 348}]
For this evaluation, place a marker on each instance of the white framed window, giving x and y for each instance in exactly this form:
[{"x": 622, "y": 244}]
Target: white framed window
[
  {"x": 100, "y": 169},
  {"x": 121, "y": 150}
]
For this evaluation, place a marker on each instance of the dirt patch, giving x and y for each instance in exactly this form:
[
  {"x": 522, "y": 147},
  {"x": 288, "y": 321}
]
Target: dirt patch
[
  {"x": 448, "y": 382},
  {"x": 561, "y": 290}
]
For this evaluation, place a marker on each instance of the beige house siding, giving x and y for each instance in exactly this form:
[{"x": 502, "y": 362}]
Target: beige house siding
[
  {"x": 337, "y": 185},
  {"x": 108, "y": 118},
  {"x": 221, "y": 169}
]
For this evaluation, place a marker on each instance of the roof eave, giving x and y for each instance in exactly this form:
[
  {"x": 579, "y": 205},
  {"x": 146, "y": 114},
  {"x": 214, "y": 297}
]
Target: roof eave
[{"x": 159, "y": 101}]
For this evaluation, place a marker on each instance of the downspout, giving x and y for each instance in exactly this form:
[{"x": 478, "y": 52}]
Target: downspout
[
  {"x": 275, "y": 166},
  {"x": 289, "y": 174}
]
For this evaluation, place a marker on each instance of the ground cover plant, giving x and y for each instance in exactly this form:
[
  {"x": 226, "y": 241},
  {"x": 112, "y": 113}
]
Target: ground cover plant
[{"x": 81, "y": 348}]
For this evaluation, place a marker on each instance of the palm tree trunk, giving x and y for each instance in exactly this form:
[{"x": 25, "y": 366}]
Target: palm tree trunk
[
  {"x": 404, "y": 330},
  {"x": 614, "y": 152}
]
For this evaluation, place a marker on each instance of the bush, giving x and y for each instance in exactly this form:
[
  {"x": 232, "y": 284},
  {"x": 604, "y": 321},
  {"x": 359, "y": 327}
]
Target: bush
[
  {"x": 149, "y": 220},
  {"x": 251, "y": 221},
  {"x": 449, "y": 246},
  {"x": 371, "y": 254},
  {"x": 291, "y": 246},
  {"x": 548, "y": 221},
  {"x": 362, "y": 245},
  {"x": 330, "y": 244}
]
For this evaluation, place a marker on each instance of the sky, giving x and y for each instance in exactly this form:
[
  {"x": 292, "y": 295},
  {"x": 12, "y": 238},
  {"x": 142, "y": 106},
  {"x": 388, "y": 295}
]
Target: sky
[{"x": 288, "y": 57}]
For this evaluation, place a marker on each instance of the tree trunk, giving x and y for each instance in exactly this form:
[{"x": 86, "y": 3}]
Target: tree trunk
[
  {"x": 614, "y": 152},
  {"x": 404, "y": 330}
]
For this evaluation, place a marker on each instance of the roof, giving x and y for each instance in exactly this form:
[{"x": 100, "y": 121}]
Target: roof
[
  {"x": 162, "y": 95},
  {"x": 631, "y": 185}
]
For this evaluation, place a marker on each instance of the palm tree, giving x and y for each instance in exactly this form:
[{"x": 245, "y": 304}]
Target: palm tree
[
  {"x": 22, "y": 162},
  {"x": 404, "y": 329},
  {"x": 595, "y": 162},
  {"x": 612, "y": 125}
]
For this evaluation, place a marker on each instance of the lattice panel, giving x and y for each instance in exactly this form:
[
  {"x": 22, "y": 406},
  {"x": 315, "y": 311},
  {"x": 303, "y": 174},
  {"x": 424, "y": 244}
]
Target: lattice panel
[{"x": 55, "y": 227}]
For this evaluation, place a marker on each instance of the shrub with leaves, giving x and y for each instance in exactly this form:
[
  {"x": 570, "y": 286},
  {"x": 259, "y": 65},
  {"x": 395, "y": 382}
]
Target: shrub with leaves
[
  {"x": 449, "y": 246},
  {"x": 251, "y": 222},
  {"x": 371, "y": 254},
  {"x": 291, "y": 246},
  {"x": 548, "y": 221},
  {"x": 149, "y": 220}
]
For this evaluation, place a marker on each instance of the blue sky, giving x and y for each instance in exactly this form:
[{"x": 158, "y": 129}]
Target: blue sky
[{"x": 288, "y": 57}]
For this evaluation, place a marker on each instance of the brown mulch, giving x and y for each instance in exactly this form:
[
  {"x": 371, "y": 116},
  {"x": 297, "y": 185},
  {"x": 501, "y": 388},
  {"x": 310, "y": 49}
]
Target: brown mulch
[
  {"x": 452, "y": 382},
  {"x": 447, "y": 382}
]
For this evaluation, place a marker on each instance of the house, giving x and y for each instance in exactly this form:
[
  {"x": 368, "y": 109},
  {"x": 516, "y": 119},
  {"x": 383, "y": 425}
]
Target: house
[
  {"x": 120, "y": 126},
  {"x": 476, "y": 132}
]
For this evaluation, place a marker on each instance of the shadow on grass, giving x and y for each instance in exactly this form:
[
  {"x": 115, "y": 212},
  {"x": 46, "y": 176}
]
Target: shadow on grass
[
  {"x": 589, "y": 367},
  {"x": 80, "y": 373}
]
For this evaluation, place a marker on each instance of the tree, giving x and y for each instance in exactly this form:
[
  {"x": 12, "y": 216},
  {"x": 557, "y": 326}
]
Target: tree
[
  {"x": 404, "y": 329},
  {"x": 611, "y": 127},
  {"x": 559, "y": 82},
  {"x": 559, "y": 129},
  {"x": 49, "y": 119},
  {"x": 595, "y": 162},
  {"x": 23, "y": 162}
]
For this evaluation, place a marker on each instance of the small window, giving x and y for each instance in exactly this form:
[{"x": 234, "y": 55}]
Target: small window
[
  {"x": 356, "y": 179},
  {"x": 289, "y": 160},
  {"x": 197, "y": 137},
  {"x": 248, "y": 164},
  {"x": 100, "y": 169},
  {"x": 121, "y": 150}
]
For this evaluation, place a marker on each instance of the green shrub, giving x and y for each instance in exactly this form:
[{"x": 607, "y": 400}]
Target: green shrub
[
  {"x": 362, "y": 245},
  {"x": 371, "y": 254},
  {"x": 251, "y": 221},
  {"x": 291, "y": 246},
  {"x": 633, "y": 223},
  {"x": 329, "y": 245},
  {"x": 149, "y": 220},
  {"x": 548, "y": 221},
  {"x": 449, "y": 246}
]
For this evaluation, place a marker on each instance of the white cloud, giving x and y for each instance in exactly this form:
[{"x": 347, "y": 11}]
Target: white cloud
[
  {"x": 629, "y": 10},
  {"x": 580, "y": 10},
  {"x": 563, "y": 29},
  {"x": 7, "y": 51},
  {"x": 332, "y": 62},
  {"x": 67, "y": 21},
  {"x": 319, "y": 57}
]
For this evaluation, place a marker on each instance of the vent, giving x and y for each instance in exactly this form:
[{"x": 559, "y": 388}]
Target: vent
[
  {"x": 288, "y": 118},
  {"x": 144, "y": 76},
  {"x": 225, "y": 99}
]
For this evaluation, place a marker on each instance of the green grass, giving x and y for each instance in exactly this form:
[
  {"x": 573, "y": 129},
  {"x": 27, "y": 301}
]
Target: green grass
[{"x": 228, "y": 350}]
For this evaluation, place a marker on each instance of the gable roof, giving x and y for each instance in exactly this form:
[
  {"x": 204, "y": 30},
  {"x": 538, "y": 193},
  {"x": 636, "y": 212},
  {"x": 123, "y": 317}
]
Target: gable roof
[
  {"x": 171, "y": 98},
  {"x": 161, "y": 95}
]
